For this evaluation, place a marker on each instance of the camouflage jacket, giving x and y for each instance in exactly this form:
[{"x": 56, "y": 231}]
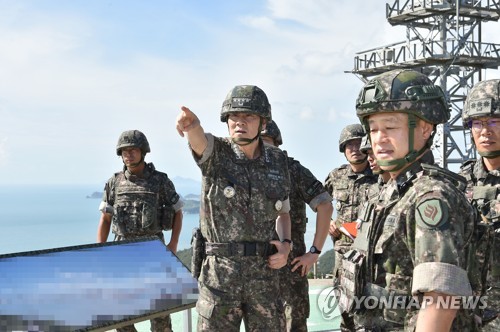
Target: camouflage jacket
[
  {"x": 347, "y": 189},
  {"x": 241, "y": 198},
  {"x": 415, "y": 241},
  {"x": 483, "y": 191},
  {"x": 141, "y": 205},
  {"x": 305, "y": 189}
]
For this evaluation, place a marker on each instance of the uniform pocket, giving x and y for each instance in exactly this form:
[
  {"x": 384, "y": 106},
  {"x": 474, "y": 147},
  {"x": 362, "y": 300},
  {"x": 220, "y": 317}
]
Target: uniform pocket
[{"x": 205, "y": 308}]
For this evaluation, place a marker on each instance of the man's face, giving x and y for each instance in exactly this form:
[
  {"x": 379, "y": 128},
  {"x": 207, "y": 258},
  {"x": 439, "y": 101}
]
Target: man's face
[
  {"x": 372, "y": 162},
  {"x": 486, "y": 134},
  {"x": 131, "y": 156},
  {"x": 389, "y": 136},
  {"x": 243, "y": 125},
  {"x": 352, "y": 152}
]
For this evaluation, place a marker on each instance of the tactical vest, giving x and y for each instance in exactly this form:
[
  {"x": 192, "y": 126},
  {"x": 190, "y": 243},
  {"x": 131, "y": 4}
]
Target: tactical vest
[
  {"x": 137, "y": 209},
  {"x": 485, "y": 197}
]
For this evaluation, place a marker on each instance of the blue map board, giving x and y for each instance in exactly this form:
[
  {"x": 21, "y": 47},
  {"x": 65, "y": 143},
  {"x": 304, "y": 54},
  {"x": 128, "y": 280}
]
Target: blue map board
[{"x": 93, "y": 287}]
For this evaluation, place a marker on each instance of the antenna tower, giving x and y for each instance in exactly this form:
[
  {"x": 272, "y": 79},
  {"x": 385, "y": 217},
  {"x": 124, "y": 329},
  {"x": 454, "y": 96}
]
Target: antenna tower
[{"x": 443, "y": 41}]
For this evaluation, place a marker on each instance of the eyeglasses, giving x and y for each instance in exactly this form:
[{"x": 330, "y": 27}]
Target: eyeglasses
[{"x": 478, "y": 125}]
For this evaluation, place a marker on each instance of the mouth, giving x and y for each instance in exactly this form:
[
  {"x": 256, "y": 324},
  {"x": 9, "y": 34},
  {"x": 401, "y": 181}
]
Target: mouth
[
  {"x": 487, "y": 143},
  {"x": 384, "y": 154}
]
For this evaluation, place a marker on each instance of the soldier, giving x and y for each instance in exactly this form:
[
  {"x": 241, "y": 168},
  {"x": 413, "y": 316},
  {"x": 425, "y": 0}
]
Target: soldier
[
  {"x": 412, "y": 242},
  {"x": 140, "y": 201},
  {"x": 244, "y": 201},
  {"x": 366, "y": 148},
  {"x": 482, "y": 115},
  {"x": 347, "y": 185},
  {"x": 293, "y": 277},
  {"x": 372, "y": 191}
]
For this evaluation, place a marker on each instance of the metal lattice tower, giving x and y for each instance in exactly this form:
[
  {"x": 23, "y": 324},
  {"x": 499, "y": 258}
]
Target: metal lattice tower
[{"x": 443, "y": 41}]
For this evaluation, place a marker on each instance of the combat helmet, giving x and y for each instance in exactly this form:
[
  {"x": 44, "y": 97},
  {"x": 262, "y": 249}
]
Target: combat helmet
[
  {"x": 247, "y": 99},
  {"x": 404, "y": 91},
  {"x": 273, "y": 132},
  {"x": 132, "y": 138},
  {"x": 350, "y": 132},
  {"x": 483, "y": 100},
  {"x": 366, "y": 145}
]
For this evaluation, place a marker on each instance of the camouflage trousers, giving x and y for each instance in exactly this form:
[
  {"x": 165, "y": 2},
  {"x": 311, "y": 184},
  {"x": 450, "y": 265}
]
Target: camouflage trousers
[
  {"x": 161, "y": 324},
  {"x": 232, "y": 289},
  {"x": 295, "y": 293}
]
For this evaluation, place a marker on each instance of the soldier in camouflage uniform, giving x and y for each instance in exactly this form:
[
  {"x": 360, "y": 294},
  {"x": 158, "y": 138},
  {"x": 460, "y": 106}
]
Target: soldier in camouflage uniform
[
  {"x": 347, "y": 184},
  {"x": 412, "y": 242},
  {"x": 244, "y": 201},
  {"x": 306, "y": 189},
  {"x": 482, "y": 115},
  {"x": 373, "y": 191},
  {"x": 140, "y": 201}
]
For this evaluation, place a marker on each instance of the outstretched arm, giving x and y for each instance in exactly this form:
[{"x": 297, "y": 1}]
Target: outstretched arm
[{"x": 188, "y": 124}]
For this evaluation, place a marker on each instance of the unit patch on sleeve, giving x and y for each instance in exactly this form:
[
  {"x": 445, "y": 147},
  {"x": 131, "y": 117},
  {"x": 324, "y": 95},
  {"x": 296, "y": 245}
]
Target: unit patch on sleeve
[{"x": 431, "y": 214}]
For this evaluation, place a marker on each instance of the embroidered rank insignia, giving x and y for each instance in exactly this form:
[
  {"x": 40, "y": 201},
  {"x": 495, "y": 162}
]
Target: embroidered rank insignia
[{"x": 431, "y": 213}]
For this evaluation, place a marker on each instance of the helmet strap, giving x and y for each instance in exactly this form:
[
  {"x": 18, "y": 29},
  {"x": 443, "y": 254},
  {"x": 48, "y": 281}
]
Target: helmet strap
[
  {"x": 357, "y": 162},
  {"x": 241, "y": 141},
  {"x": 489, "y": 154},
  {"x": 412, "y": 154},
  {"x": 137, "y": 163}
]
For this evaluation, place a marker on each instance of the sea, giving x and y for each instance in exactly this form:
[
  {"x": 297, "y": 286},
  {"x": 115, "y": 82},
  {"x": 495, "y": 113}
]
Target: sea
[{"x": 36, "y": 217}]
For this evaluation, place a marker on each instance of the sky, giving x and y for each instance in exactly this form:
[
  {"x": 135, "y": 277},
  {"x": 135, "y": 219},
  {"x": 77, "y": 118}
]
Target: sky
[{"x": 75, "y": 74}]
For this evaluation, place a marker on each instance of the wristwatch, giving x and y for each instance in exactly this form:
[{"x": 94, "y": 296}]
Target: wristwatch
[{"x": 314, "y": 250}]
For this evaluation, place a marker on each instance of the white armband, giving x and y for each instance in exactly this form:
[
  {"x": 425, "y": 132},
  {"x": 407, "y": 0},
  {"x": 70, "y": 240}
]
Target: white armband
[{"x": 104, "y": 207}]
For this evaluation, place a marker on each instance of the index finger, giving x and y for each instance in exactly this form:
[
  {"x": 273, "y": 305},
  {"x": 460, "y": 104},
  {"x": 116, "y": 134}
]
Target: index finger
[{"x": 186, "y": 110}]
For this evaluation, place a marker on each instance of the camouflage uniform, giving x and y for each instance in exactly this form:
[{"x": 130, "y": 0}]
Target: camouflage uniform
[
  {"x": 414, "y": 238},
  {"x": 409, "y": 248},
  {"x": 294, "y": 287},
  {"x": 241, "y": 200},
  {"x": 483, "y": 191},
  {"x": 348, "y": 190},
  {"x": 141, "y": 206},
  {"x": 306, "y": 189}
]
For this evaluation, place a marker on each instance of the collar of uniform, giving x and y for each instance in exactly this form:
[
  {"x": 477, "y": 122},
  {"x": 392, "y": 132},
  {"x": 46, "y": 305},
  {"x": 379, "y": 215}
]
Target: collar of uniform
[
  {"x": 404, "y": 179},
  {"x": 148, "y": 171},
  {"x": 481, "y": 173},
  {"x": 240, "y": 155},
  {"x": 366, "y": 172}
]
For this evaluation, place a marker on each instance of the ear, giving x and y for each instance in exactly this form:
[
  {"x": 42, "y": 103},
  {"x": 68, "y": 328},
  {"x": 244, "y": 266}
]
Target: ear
[{"x": 426, "y": 128}]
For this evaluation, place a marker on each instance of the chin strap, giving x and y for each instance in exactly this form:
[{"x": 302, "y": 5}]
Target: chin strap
[
  {"x": 413, "y": 154},
  {"x": 358, "y": 161},
  {"x": 136, "y": 164},
  {"x": 489, "y": 154},
  {"x": 245, "y": 141}
]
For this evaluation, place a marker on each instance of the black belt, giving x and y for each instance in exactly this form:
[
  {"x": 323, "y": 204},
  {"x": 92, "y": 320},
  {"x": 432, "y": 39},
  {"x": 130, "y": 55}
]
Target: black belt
[{"x": 239, "y": 249}]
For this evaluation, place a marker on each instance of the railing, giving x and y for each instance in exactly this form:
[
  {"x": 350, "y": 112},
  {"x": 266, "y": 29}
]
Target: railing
[{"x": 417, "y": 52}]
